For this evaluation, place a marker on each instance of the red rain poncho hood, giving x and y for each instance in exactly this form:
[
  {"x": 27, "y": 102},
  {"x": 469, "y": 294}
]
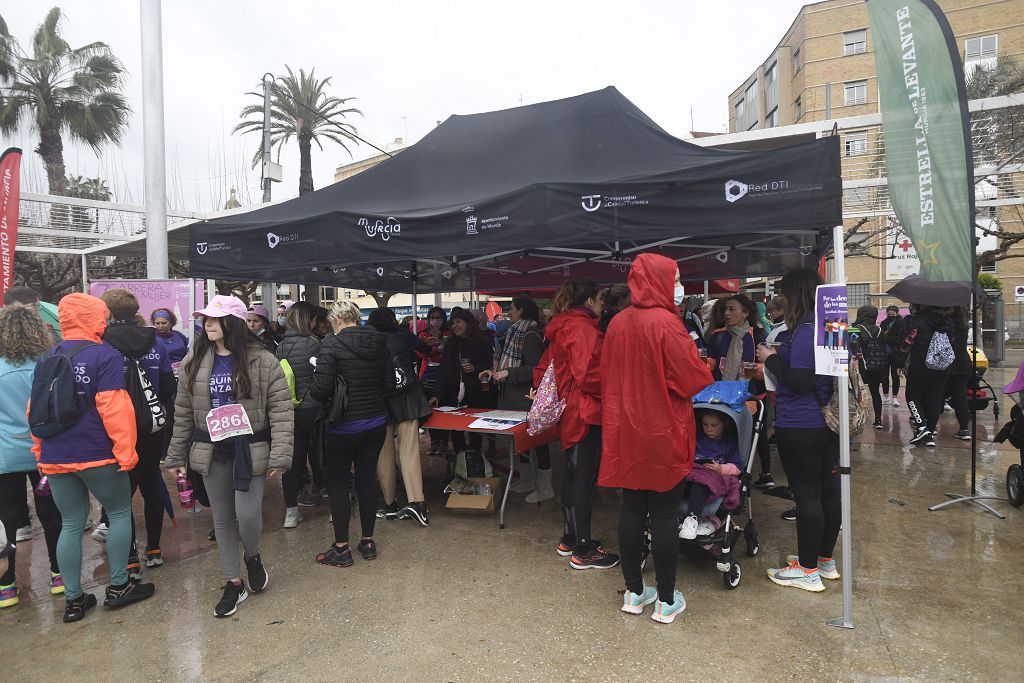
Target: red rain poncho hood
[{"x": 650, "y": 370}]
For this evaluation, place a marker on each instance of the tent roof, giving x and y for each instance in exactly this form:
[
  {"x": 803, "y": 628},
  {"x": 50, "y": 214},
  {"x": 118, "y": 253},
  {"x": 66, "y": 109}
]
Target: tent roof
[{"x": 537, "y": 194}]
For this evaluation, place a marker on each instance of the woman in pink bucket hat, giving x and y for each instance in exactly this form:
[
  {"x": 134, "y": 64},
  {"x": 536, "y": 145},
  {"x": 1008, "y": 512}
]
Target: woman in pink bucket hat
[{"x": 233, "y": 424}]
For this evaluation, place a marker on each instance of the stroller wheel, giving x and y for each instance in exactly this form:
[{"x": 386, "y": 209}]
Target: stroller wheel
[
  {"x": 1015, "y": 485},
  {"x": 732, "y": 578}
]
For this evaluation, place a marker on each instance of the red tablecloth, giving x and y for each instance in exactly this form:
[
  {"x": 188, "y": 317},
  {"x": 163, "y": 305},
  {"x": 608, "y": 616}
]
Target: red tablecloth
[{"x": 460, "y": 420}]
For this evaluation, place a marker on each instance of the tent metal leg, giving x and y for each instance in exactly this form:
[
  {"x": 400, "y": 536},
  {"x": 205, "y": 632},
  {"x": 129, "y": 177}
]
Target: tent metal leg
[
  {"x": 508, "y": 484},
  {"x": 960, "y": 498}
]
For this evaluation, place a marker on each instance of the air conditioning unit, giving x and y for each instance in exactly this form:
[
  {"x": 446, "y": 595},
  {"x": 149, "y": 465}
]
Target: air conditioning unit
[{"x": 273, "y": 171}]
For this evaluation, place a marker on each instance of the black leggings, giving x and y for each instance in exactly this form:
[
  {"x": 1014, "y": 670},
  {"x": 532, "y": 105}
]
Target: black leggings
[
  {"x": 341, "y": 451},
  {"x": 663, "y": 509},
  {"x": 582, "y": 463},
  {"x": 14, "y": 515},
  {"x": 811, "y": 459},
  {"x": 302, "y": 450},
  {"x": 926, "y": 390},
  {"x": 764, "y": 449},
  {"x": 873, "y": 380},
  {"x": 891, "y": 375},
  {"x": 956, "y": 389},
  {"x": 147, "y": 478}
]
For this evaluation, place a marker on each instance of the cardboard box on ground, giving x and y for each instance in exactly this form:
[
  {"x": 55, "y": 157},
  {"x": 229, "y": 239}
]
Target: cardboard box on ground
[{"x": 474, "y": 503}]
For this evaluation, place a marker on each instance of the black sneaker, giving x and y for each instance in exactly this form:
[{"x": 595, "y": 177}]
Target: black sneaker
[
  {"x": 789, "y": 515},
  {"x": 134, "y": 566},
  {"x": 597, "y": 558},
  {"x": 389, "y": 511},
  {"x": 258, "y": 577},
  {"x": 963, "y": 435},
  {"x": 127, "y": 593},
  {"x": 930, "y": 441},
  {"x": 417, "y": 511},
  {"x": 921, "y": 436},
  {"x": 766, "y": 481},
  {"x": 567, "y": 546},
  {"x": 212, "y": 535},
  {"x": 368, "y": 549},
  {"x": 336, "y": 557},
  {"x": 75, "y": 609},
  {"x": 878, "y": 426},
  {"x": 234, "y": 593}
]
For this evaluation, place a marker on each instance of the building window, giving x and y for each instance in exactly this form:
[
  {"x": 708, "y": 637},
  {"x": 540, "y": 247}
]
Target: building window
[
  {"x": 858, "y": 198},
  {"x": 855, "y": 42},
  {"x": 771, "y": 87},
  {"x": 746, "y": 109},
  {"x": 348, "y": 293},
  {"x": 738, "y": 110},
  {"x": 856, "y": 143},
  {"x": 980, "y": 52},
  {"x": 855, "y": 92},
  {"x": 857, "y": 295},
  {"x": 797, "y": 63},
  {"x": 798, "y": 109},
  {"x": 772, "y": 118}
]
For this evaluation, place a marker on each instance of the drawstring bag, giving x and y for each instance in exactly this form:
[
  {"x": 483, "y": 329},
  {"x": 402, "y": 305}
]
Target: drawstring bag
[
  {"x": 547, "y": 407},
  {"x": 940, "y": 352}
]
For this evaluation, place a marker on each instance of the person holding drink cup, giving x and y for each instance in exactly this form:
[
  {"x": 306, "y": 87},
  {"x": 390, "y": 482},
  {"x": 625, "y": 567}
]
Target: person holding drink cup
[
  {"x": 731, "y": 348},
  {"x": 233, "y": 424}
]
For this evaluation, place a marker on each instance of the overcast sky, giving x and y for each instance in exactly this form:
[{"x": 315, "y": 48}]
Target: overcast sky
[{"x": 408, "y": 64}]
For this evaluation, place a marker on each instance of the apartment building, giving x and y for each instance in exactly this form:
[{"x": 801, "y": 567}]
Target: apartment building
[{"x": 823, "y": 69}]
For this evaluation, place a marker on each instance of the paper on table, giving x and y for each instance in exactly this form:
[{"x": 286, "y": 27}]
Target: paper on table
[
  {"x": 518, "y": 415},
  {"x": 498, "y": 425}
]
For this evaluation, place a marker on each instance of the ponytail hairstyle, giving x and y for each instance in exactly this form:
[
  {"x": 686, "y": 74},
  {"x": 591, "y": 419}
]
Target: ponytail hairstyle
[
  {"x": 237, "y": 340},
  {"x": 574, "y": 293}
]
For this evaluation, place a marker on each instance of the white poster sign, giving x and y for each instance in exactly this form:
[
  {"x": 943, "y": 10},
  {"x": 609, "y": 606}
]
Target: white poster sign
[{"x": 901, "y": 256}]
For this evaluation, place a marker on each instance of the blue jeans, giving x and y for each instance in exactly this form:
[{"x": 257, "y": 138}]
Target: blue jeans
[{"x": 71, "y": 494}]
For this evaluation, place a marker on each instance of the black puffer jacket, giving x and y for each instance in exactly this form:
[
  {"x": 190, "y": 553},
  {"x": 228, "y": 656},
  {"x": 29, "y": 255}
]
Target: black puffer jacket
[
  {"x": 298, "y": 350},
  {"x": 362, "y": 357},
  {"x": 409, "y": 403},
  {"x": 958, "y": 338}
]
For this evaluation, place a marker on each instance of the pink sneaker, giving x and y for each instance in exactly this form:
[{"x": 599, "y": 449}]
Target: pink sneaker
[{"x": 56, "y": 584}]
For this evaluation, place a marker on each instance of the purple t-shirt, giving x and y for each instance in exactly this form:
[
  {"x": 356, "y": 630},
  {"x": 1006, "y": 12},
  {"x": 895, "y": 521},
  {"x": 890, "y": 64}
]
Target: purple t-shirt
[
  {"x": 221, "y": 393},
  {"x": 154, "y": 363},
  {"x": 801, "y": 410},
  {"x": 98, "y": 368},
  {"x": 175, "y": 344}
]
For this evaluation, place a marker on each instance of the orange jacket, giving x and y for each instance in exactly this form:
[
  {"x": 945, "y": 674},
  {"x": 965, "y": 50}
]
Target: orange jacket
[{"x": 84, "y": 318}]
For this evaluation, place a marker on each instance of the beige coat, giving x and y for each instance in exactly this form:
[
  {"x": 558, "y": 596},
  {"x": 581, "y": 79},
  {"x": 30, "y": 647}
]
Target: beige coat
[{"x": 271, "y": 406}]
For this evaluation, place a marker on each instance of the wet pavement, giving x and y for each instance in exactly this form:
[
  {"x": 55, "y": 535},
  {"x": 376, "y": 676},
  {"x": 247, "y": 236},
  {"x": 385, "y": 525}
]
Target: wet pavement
[{"x": 937, "y": 595}]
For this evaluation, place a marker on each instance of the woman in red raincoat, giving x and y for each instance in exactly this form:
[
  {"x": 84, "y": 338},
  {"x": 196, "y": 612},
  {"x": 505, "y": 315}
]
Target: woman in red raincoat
[
  {"x": 574, "y": 346},
  {"x": 650, "y": 370}
]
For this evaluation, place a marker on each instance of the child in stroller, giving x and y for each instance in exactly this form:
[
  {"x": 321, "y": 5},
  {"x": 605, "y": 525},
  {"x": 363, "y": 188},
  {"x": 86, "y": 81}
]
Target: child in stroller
[{"x": 715, "y": 475}]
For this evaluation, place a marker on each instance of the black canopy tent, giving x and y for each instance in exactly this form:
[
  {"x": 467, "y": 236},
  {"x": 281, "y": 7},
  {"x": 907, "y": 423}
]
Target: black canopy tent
[{"x": 527, "y": 197}]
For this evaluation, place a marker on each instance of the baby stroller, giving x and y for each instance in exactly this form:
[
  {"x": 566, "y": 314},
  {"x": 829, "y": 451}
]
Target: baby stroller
[
  {"x": 721, "y": 543},
  {"x": 1013, "y": 431},
  {"x": 979, "y": 392}
]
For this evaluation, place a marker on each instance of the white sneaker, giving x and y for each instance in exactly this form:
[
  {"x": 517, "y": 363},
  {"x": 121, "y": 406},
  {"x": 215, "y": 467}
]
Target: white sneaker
[
  {"x": 706, "y": 528},
  {"x": 291, "y": 518},
  {"x": 100, "y": 533},
  {"x": 688, "y": 529},
  {"x": 886, "y": 400},
  {"x": 895, "y": 402},
  {"x": 24, "y": 534}
]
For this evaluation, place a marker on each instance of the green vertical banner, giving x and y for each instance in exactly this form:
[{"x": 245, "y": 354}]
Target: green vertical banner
[{"x": 928, "y": 155}]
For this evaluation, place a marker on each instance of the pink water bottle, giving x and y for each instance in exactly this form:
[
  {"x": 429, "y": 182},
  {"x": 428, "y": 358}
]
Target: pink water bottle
[
  {"x": 185, "y": 493},
  {"x": 43, "y": 487}
]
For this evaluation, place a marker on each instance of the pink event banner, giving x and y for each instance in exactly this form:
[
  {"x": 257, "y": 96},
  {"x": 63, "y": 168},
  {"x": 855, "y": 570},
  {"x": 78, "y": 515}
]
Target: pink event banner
[{"x": 153, "y": 294}]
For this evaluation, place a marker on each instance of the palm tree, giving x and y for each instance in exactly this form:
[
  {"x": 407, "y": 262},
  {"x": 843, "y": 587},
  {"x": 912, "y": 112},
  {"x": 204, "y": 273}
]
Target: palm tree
[
  {"x": 58, "y": 89},
  {"x": 299, "y": 107}
]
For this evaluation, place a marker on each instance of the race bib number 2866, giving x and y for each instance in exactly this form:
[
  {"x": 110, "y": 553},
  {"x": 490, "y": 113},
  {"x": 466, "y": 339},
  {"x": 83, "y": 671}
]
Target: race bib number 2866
[{"x": 227, "y": 421}]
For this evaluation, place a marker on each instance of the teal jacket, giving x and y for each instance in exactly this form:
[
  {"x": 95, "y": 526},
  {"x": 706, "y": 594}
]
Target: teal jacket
[{"x": 15, "y": 438}]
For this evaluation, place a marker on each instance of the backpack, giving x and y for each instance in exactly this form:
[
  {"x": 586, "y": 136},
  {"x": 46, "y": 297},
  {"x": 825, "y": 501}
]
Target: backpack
[
  {"x": 547, "y": 408},
  {"x": 940, "y": 353},
  {"x": 289, "y": 377},
  {"x": 873, "y": 352},
  {"x": 53, "y": 408},
  {"x": 150, "y": 416}
]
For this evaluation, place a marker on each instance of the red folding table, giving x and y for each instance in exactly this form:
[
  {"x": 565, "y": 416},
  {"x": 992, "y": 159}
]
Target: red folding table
[{"x": 459, "y": 421}]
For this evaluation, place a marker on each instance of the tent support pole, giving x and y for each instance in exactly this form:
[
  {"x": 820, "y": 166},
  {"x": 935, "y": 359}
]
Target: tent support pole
[
  {"x": 707, "y": 290},
  {"x": 843, "y": 386},
  {"x": 473, "y": 296},
  {"x": 85, "y": 275},
  {"x": 415, "y": 310}
]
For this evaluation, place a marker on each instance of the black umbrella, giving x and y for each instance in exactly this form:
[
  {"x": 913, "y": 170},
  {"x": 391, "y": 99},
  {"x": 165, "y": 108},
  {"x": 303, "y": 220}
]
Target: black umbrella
[{"x": 914, "y": 289}]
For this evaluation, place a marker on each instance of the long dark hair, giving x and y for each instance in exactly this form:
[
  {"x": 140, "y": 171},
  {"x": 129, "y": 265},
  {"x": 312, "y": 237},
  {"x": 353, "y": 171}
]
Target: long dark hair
[
  {"x": 472, "y": 326},
  {"x": 959, "y": 317},
  {"x": 237, "y": 340},
  {"x": 444, "y": 317},
  {"x": 302, "y": 317},
  {"x": 748, "y": 307},
  {"x": 383, "y": 320},
  {"x": 574, "y": 293},
  {"x": 797, "y": 288},
  {"x": 527, "y": 308}
]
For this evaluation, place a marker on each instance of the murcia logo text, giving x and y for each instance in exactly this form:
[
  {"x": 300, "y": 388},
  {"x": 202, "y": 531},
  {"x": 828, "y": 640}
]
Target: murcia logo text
[{"x": 385, "y": 229}]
